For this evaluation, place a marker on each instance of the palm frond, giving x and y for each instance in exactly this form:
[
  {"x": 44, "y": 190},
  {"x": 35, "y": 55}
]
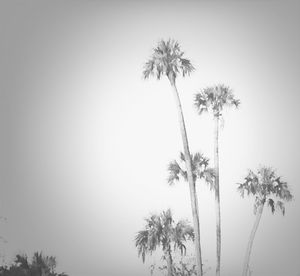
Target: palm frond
[
  {"x": 141, "y": 242},
  {"x": 186, "y": 67},
  {"x": 167, "y": 218},
  {"x": 209, "y": 176},
  {"x": 236, "y": 102},
  {"x": 271, "y": 204},
  {"x": 182, "y": 157},
  {"x": 148, "y": 69},
  {"x": 201, "y": 102},
  {"x": 241, "y": 189},
  {"x": 249, "y": 185},
  {"x": 281, "y": 190},
  {"x": 183, "y": 231},
  {"x": 280, "y": 206},
  {"x": 199, "y": 160},
  {"x": 175, "y": 172}
]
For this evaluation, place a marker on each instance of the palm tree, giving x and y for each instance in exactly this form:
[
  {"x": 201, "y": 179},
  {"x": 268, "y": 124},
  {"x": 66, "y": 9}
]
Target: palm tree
[
  {"x": 214, "y": 99},
  {"x": 200, "y": 170},
  {"x": 268, "y": 188},
  {"x": 160, "y": 230},
  {"x": 167, "y": 59}
]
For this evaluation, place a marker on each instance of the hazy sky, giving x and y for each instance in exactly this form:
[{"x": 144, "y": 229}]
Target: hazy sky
[{"x": 85, "y": 141}]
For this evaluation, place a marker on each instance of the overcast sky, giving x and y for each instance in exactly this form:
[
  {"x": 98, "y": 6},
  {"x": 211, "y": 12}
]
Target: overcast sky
[{"x": 85, "y": 141}]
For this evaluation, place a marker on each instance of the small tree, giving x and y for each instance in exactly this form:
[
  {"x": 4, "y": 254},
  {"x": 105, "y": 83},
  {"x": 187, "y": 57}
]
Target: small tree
[
  {"x": 267, "y": 188},
  {"x": 161, "y": 231}
]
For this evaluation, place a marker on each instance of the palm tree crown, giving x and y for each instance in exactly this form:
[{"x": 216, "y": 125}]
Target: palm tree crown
[
  {"x": 200, "y": 169},
  {"x": 167, "y": 59},
  {"x": 215, "y": 98},
  {"x": 266, "y": 187},
  {"x": 160, "y": 230}
]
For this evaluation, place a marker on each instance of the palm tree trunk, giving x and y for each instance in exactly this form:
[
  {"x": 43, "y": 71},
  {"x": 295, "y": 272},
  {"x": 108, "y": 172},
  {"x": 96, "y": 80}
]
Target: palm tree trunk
[
  {"x": 188, "y": 162},
  {"x": 251, "y": 239},
  {"x": 169, "y": 260},
  {"x": 217, "y": 194}
]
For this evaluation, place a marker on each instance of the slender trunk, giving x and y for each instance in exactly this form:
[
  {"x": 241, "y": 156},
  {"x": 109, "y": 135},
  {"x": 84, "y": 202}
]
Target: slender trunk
[
  {"x": 188, "y": 162},
  {"x": 169, "y": 260},
  {"x": 217, "y": 194},
  {"x": 251, "y": 239}
]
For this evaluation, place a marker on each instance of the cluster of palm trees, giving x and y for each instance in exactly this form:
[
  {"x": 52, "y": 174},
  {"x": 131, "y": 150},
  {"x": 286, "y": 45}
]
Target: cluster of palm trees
[
  {"x": 168, "y": 60},
  {"x": 40, "y": 265}
]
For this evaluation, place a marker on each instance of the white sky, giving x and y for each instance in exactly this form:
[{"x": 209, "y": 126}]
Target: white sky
[{"x": 86, "y": 141}]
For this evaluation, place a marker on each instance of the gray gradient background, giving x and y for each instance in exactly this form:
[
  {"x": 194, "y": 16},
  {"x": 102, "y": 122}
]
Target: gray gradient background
[{"x": 85, "y": 142}]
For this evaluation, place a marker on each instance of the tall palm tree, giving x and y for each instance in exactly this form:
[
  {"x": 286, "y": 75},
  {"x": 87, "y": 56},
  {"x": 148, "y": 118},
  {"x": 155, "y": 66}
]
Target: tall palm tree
[
  {"x": 267, "y": 188},
  {"x": 214, "y": 99},
  {"x": 161, "y": 231},
  {"x": 167, "y": 59}
]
